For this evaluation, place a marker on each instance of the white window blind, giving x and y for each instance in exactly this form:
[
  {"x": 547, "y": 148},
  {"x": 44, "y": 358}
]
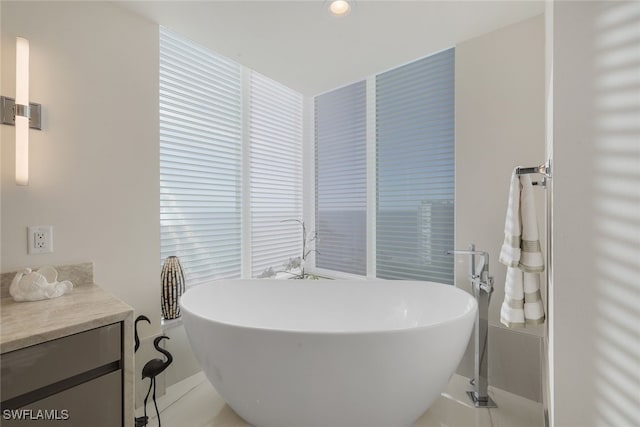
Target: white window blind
[
  {"x": 415, "y": 170},
  {"x": 200, "y": 159},
  {"x": 340, "y": 134},
  {"x": 275, "y": 138}
]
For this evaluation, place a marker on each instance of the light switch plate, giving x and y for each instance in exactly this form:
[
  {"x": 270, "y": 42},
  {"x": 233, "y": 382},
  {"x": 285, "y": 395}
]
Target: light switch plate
[{"x": 40, "y": 239}]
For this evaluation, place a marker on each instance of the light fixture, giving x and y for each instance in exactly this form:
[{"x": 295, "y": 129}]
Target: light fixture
[
  {"x": 20, "y": 113},
  {"x": 339, "y": 7}
]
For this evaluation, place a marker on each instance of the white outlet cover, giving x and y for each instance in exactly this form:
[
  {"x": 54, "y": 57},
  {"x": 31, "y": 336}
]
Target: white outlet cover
[{"x": 40, "y": 239}]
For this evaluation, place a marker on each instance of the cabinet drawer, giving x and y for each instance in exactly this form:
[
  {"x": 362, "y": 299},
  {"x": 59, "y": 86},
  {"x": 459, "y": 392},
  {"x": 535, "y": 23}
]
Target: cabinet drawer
[
  {"x": 31, "y": 368},
  {"x": 97, "y": 403}
]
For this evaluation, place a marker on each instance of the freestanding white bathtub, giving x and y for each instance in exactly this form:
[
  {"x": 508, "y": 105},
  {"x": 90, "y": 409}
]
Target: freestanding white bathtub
[{"x": 330, "y": 353}]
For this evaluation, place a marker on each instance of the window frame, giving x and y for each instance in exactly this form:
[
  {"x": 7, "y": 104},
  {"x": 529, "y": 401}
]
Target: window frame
[
  {"x": 244, "y": 177},
  {"x": 371, "y": 184}
]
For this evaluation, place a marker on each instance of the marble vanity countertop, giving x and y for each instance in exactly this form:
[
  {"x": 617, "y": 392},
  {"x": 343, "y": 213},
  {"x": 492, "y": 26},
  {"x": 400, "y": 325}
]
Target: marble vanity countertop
[
  {"x": 28, "y": 323},
  {"x": 87, "y": 306}
]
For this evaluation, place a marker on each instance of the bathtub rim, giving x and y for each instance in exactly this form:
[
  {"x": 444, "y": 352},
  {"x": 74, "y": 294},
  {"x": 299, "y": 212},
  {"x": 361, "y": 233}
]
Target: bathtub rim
[{"x": 471, "y": 311}]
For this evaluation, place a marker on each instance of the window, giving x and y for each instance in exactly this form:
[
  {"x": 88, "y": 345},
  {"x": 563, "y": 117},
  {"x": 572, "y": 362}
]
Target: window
[
  {"x": 212, "y": 146},
  {"x": 340, "y": 134},
  {"x": 275, "y": 135},
  {"x": 231, "y": 168},
  {"x": 200, "y": 159},
  {"x": 414, "y": 172}
]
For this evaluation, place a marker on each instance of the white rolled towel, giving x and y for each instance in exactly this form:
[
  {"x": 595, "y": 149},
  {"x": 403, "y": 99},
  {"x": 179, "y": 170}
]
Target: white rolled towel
[
  {"x": 533, "y": 308},
  {"x": 512, "y": 310},
  {"x": 522, "y": 305}
]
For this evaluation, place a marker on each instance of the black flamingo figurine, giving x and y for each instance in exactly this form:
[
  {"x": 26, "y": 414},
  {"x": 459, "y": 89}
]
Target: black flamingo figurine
[
  {"x": 139, "y": 421},
  {"x": 135, "y": 330},
  {"x": 152, "y": 369}
]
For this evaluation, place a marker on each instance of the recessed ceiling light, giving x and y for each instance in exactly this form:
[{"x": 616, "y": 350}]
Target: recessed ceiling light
[{"x": 339, "y": 7}]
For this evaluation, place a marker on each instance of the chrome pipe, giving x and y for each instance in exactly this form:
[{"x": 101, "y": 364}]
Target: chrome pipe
[{"x": 482, "y": 286}]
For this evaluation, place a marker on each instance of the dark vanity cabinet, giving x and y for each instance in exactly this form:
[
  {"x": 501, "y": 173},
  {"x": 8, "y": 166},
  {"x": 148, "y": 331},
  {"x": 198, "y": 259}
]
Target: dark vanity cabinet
[{"x": 73, "y": 381}]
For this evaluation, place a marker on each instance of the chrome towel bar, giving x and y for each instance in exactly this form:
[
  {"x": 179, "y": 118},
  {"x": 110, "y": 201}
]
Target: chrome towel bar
[{"x": 544, "y": 169}]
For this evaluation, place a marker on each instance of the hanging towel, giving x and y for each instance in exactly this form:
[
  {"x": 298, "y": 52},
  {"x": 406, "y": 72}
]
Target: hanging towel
[
  {"x": 531, "y": 260},
  {"x": 510, "y": 251},
  {"x": 522, "y": 254}
]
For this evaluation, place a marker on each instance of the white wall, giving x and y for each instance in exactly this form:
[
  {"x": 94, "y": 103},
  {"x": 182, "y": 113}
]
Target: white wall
[
  {"x": 596, "y": 149},
  {"x": 94, "y": 166},
  {"x": 500, "y": 80}
]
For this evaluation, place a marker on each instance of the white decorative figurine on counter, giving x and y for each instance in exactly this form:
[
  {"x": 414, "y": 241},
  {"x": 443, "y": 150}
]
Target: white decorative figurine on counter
[{"x": 38, "y": 285}]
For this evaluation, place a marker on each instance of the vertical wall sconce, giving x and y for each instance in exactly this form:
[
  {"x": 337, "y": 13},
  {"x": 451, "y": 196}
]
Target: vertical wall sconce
[{"x": 20, "y": 113}]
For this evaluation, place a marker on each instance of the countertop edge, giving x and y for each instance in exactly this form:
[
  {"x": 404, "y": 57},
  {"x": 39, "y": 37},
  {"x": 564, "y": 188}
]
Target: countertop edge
[{"x": 21, "y": 343}]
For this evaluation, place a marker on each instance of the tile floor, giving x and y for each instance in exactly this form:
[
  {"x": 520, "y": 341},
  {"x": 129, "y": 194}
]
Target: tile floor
[{"x": 194, "y": 403}]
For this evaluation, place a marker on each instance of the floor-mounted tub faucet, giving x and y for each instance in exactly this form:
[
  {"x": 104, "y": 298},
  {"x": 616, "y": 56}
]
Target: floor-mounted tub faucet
[{"x": 482, "y": 287}]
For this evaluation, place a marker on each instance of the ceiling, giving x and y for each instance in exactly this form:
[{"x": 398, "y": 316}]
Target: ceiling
[{"x": 299, "y": 44}]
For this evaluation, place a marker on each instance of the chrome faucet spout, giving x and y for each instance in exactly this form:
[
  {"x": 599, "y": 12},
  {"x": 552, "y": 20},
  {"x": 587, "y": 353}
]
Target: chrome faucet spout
[
  {"x": 465, "y": 252},
  {"x": 483, "y": 254},
  {"x": 478, "y": 273}
]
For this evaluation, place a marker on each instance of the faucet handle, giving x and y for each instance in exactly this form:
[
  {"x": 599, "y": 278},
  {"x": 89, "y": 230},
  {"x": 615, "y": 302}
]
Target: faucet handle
[
  {"x": 476, "y": 271},
  {"x": 488, "y": 285}
]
